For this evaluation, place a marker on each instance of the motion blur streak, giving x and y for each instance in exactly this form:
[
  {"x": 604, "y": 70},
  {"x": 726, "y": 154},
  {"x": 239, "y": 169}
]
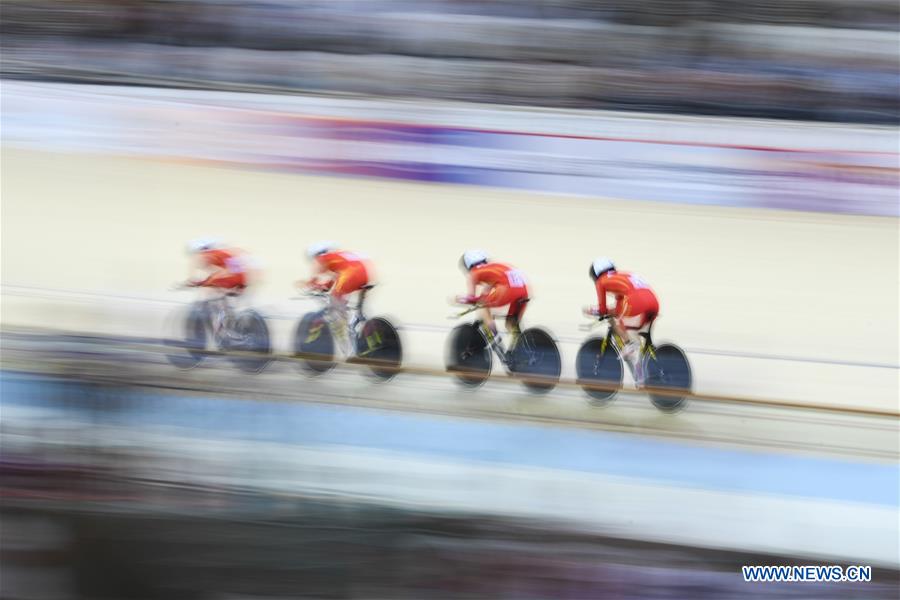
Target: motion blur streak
[{"x": 152, "y": 446}]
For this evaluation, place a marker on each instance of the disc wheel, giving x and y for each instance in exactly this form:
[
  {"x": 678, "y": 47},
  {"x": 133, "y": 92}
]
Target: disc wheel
[
  {"x": 250, "y": 342},
  {"x": 468, "y": 355},
  {"x": 670, "y": 373},
  {"x": 314, "y": 344},
  {"x": 599, "y": 370},
  {"x": 535, "y": 358},
  {"x": 378, "y": 346}
]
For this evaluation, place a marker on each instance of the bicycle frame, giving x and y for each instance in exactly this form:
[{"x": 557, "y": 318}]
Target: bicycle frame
[
  {"x": 498, "y": 347},
  {"x": 647, "y": 348},
  {"x": 355, "y": 317},
  {"x": 220, "y": 315}
]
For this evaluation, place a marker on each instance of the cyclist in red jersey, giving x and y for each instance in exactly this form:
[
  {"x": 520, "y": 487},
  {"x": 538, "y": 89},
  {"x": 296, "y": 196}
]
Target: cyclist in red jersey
[
  {"x": 226, "y": 275},
  {"x": 636, "y": 305},
  {"x": 500, "y": 285},
  {"x": 226, "y": 267},
  {"x": 342, "y": 273}
]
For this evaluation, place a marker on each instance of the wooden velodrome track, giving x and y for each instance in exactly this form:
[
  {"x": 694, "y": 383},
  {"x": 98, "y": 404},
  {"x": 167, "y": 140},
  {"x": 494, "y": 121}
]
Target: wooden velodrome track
[{"x": 779, "y": 306}]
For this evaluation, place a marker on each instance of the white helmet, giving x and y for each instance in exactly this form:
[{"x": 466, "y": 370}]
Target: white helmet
[
  {"x": 600, "y": 266},
  {"x": 318, "y": 248},
  {"x": 470, "y": 258},
  {"x": 202, "y": 244}
]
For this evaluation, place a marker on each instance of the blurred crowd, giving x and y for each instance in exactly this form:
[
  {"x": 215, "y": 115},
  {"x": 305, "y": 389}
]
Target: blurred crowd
[{"x": 807, "y": 59}]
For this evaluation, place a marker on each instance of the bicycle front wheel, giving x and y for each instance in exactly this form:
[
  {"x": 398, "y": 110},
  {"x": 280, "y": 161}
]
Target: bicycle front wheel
[
  {"x": 599, "y": 370},
  {"x": 313, "y": 344},
  {"x": 468, "y": 355},
  {"x": 190, "y": 341}
]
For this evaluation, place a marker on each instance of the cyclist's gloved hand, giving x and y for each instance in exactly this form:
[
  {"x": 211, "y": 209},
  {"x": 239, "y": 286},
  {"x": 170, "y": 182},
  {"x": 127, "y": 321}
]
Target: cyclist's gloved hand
[
  {"x": 467, "y": 299},
  {"x": 591, "y": 311}
]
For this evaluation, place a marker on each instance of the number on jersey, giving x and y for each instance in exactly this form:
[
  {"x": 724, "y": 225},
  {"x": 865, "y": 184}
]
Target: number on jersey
[
  {"x": 516, "y": 278},
  {"x": 235, "y": 264},
  {"x": 637, "y": 282}
]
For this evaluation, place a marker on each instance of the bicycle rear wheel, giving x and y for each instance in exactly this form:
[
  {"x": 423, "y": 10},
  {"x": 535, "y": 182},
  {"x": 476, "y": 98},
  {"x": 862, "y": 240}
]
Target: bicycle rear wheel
[
  {"x": 251, "y": 342},
  {"x": 670, "y": 373},
  {"x": 599, "y": 370},
  {"x": 313, "y": 344},
  {"x": 468, "y": 355},
  {"x": 535, "y": 357},
  {"x": 378, "y": 346}
]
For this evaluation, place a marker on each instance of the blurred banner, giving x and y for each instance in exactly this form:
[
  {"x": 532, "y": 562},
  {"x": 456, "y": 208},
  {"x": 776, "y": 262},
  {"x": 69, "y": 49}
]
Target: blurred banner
[{"x": 824, "y": 168}]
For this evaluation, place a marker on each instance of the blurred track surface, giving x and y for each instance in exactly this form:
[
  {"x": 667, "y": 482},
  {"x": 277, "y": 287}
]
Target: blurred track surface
[{"x": 708, "y": 421}]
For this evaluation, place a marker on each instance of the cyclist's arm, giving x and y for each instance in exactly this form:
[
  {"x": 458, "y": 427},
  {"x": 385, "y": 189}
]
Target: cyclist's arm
[
  {"x": 475, "y": 282},
  {"x": 212, "y": 271},
  {"x": 318, "y": 275},
  {"x": 472, "y": 284},
  {"x": 610, "y": 286},
  {"x": 601, "y": 298}
]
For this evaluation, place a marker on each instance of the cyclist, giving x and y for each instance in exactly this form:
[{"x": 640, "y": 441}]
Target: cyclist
[
  {"x": 635, "y": 310},
  {"x": 501, "y": 285},
  {"x": 342, "y": 273},
  {"x": 227, "y": 275}
]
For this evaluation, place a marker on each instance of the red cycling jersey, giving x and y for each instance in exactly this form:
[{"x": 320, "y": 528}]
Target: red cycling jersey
[
  {"x": 634, "y": 298},
  {"x": 350, "y": 270},
  {"x": 231, "y": 269},
  {"x": 507, "y": 285}
]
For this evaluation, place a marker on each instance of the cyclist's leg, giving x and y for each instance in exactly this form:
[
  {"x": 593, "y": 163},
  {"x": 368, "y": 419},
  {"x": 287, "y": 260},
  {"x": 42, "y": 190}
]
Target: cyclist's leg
[
  {"x": 628, "y": 347},
  {"x": 488, "y": 320},
  {"x": 638, "y": 311},
  {"x": 623, "y": 307},
  {"x": 216, "y": 310},
  {"x": 354, "y": 283},
  {"x": 347, "y": 282},
  {"x": 226, "y": 285},
  {"x": 337, "y": 311},
  {"x": 498, "y": 296},
  {"x": 649, "y": 312},
  {"x": 233, "y": 302},
  {"x": 641, "y": 309},
  {"x": 641, "y": 325},
  {"x": 514, "y": 316}
]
